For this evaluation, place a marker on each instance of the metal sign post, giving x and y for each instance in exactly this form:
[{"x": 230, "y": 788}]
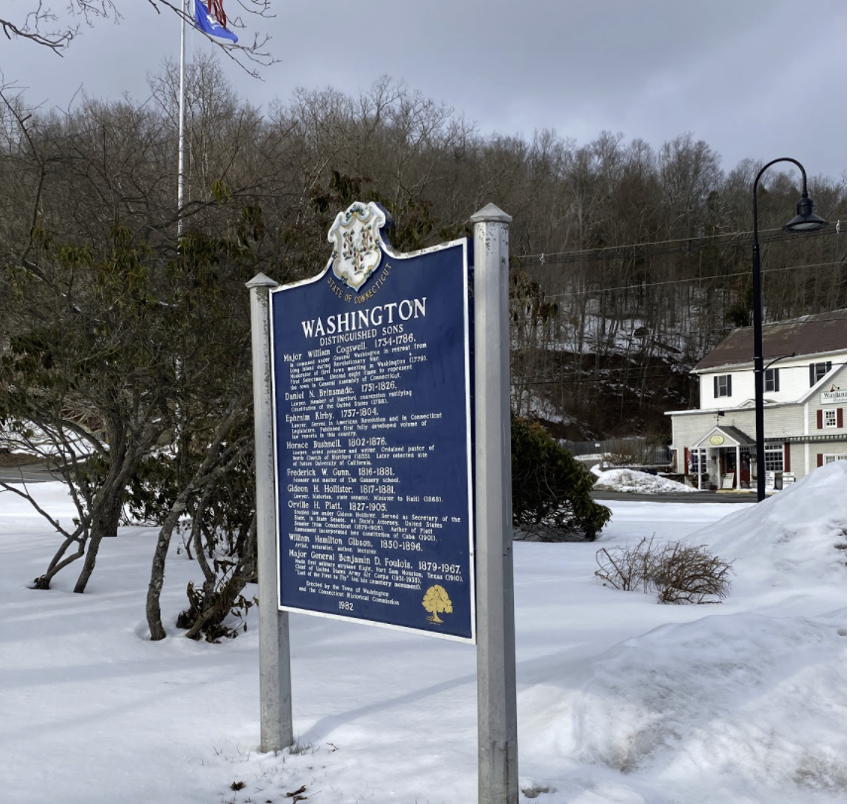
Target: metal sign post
[
  {"x": 275, "y": 704},
  {"x": 496, "y": 699}
]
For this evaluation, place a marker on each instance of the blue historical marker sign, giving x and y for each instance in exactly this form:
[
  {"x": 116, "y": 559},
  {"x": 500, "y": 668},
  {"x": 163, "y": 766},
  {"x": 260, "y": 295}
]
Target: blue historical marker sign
[{"x": 372, "y": 418}]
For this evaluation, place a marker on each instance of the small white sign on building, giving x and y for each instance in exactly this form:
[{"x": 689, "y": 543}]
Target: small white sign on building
[{"x": 835, "y": 396}]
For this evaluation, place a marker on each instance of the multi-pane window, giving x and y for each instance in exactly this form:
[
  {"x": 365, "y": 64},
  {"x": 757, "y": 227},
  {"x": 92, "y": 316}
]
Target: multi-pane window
[
  {"x": 832, "y": 458},
  {"x": 722, "y": 385},
  {"x": 818, "y": 370},
  {"x": 772, "y": 380},
  {"x": 830, "y": 417},
  {"x": 774, "y": 456}
]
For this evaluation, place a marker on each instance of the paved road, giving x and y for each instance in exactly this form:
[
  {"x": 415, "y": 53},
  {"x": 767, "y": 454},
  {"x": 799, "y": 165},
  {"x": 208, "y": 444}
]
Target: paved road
[
  {"x": 36, "y": 473},
  {"x": 29, "y": 473},
  {"x": 685, "y": 497}
]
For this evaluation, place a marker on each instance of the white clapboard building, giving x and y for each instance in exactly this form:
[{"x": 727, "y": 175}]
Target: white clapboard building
[{"x": 804, "y": 409}]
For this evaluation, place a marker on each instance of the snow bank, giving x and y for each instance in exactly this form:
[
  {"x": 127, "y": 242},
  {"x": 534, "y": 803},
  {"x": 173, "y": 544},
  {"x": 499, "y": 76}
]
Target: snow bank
[
  {"x": 793, "y": 539},
  {"x": 637, "y": 482},
  {"x": 738, "y": 705},
  {"x": 729, "y": 708}
]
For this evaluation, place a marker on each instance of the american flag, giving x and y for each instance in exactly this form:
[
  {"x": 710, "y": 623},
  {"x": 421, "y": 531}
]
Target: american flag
[{"x": 216, "y": 8}]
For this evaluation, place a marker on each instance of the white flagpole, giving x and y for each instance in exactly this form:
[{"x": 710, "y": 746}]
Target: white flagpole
[{"x": 181, "y": 161}]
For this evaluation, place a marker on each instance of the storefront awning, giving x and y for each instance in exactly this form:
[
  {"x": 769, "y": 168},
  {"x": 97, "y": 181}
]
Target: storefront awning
[{"x": 818, "y": 438}]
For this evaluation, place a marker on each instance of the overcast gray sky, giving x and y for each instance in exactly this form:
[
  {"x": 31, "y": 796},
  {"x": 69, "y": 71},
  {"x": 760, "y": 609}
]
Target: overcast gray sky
[{"x": 753, "y": 78}]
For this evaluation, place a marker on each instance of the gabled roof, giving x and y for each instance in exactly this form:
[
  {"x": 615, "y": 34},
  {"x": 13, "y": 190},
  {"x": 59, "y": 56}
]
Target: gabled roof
[
  {"x": 808, "y": 335},
  {"x": 733, "y": 437}
]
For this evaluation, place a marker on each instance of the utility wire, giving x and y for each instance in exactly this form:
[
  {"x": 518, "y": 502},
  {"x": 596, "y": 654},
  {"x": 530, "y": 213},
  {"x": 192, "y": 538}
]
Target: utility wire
[
  {"x": 678, "y": 245},
  {"x": 600, "y": 290},
  {"x": 627, "y": 374},
  {"x": 795, "y": 322},
  {"x": 596, "y": 380}
]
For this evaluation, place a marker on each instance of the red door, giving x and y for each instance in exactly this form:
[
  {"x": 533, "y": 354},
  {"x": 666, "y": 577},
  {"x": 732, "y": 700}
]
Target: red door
[{"x": 745, "y": 471}]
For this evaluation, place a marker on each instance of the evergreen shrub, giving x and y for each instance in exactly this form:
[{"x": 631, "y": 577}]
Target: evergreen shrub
[{"x": 550, "y": 489}]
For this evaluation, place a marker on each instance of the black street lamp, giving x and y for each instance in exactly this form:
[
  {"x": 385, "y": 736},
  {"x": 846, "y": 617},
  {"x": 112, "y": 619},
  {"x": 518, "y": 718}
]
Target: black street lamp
[{"x": 805, "y": 221}]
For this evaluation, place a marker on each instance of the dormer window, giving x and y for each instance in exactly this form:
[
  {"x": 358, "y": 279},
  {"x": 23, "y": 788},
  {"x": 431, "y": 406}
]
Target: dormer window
[
  {"x": 722, "y": 385},
  {"x": 772, "y": 380},
  {"x": 818, "y": 370}
]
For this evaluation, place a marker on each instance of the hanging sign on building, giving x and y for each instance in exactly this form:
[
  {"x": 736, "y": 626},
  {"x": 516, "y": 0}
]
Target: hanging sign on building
[
  {"x": 372, "y": 422},
  {"x": 835, "y": 396}
]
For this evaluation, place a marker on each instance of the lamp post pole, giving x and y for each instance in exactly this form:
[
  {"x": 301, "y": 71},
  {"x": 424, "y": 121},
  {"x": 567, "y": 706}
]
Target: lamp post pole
[
  {"x": 804, "y": 221},
  {"x": 759, "y": 414}
]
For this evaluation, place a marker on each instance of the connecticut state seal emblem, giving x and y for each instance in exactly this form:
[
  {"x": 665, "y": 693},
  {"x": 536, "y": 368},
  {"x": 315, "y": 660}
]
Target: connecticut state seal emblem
[{"x": 355, "y": 234}]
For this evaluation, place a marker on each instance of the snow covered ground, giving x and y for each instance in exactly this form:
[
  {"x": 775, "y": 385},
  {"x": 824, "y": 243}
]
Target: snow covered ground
[{"x": 620, "y": 699}]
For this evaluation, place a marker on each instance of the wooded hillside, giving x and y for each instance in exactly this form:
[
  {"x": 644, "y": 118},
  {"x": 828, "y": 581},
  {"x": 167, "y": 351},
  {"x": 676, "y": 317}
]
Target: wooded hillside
[{"x": 629, "y": 262}]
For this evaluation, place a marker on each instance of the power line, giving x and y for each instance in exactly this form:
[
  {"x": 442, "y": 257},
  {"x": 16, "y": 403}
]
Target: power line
[
  {"x": 631, "y": 373},
  {"x": 692, "y": 279},
  {"x": 602, "y": 380},
  {"x": 677, "y": 245},
  {"x": 795, "y": 322}
]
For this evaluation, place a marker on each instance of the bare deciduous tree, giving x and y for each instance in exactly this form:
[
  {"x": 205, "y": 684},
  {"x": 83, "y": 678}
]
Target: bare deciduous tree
[{"x": 55, "y": 31}]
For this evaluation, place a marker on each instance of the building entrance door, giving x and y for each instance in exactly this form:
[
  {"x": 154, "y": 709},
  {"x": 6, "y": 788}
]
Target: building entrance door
[
  {"x": 745, "y": 469},
  {"x": 740, "y": 475},
  {"x": 727, "y": 466}
]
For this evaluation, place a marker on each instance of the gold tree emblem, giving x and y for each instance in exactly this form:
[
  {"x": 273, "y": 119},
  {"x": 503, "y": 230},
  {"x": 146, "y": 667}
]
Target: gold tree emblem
[{"x": 436, "y": 600}]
